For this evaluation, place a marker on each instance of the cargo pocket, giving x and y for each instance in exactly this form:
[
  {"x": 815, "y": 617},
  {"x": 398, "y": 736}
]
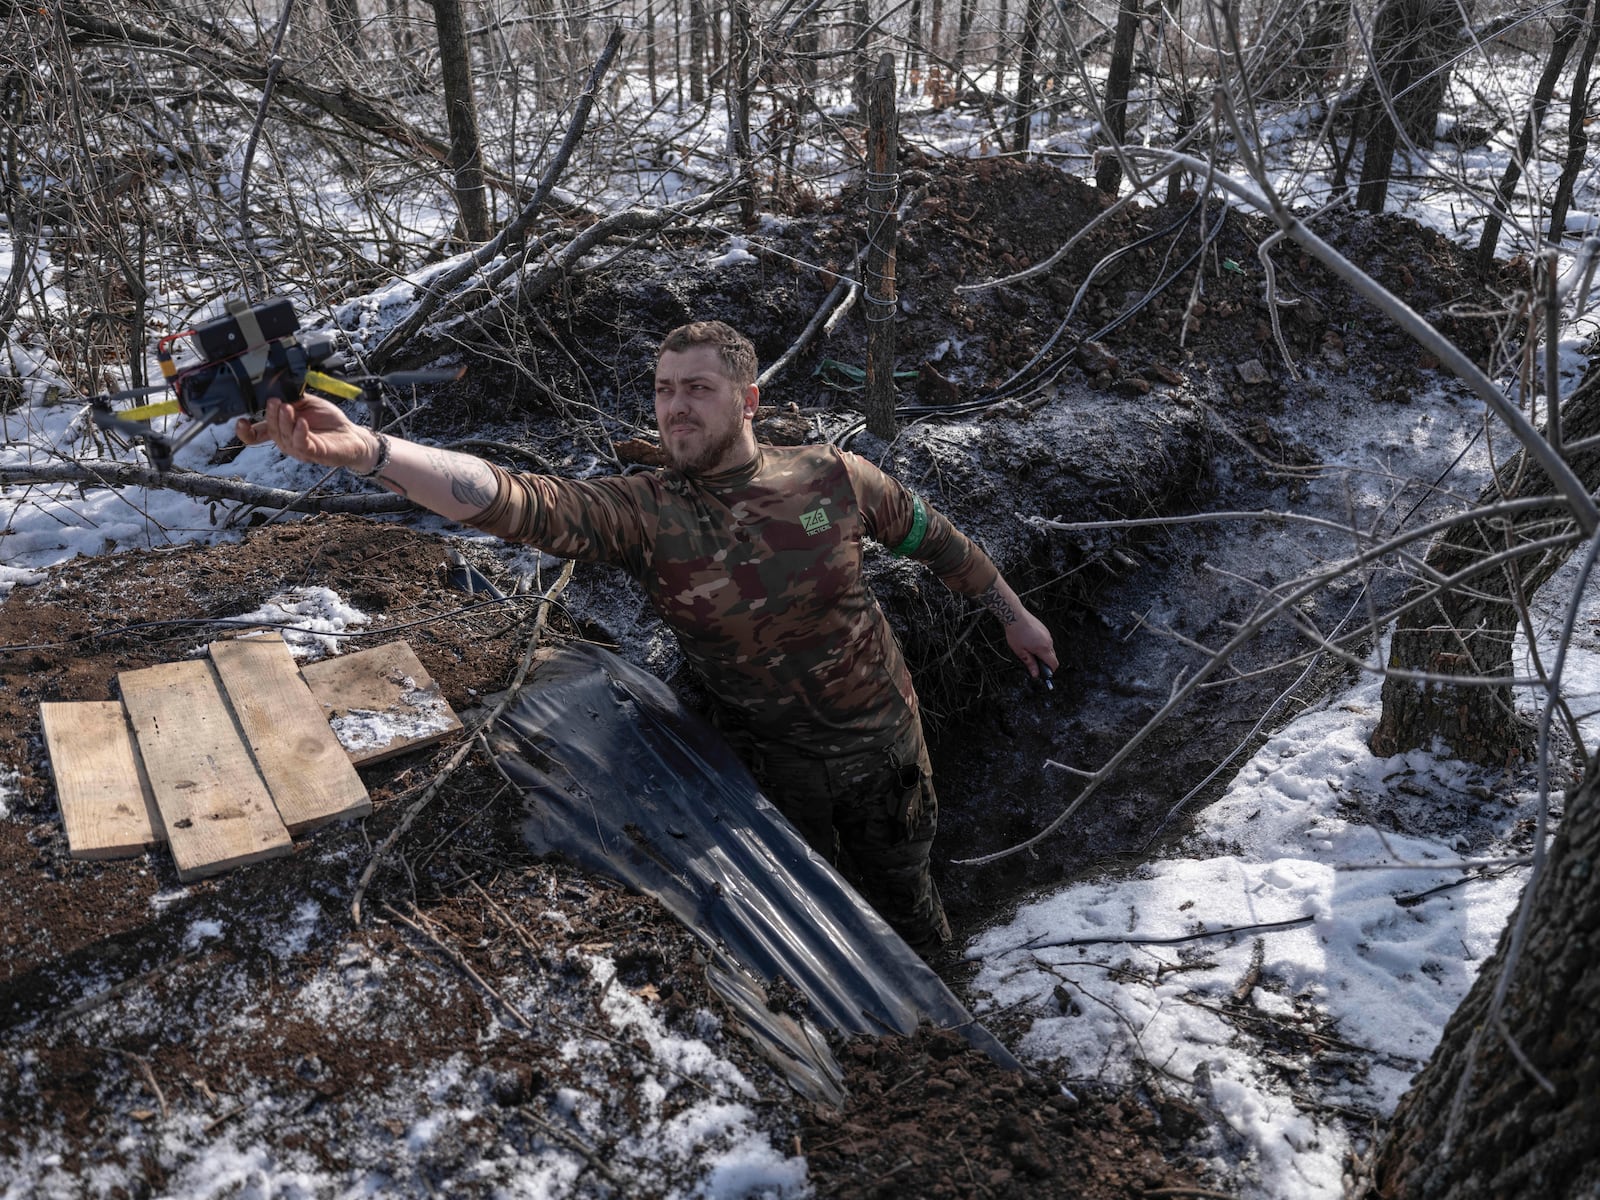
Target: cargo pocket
[
  {"x": 908, "y": 798},
  {"x": 906, "y": 801}
]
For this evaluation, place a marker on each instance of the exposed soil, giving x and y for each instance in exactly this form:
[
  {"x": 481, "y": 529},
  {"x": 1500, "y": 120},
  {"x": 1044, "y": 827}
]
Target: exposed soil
[{"x": 109, "y": 1002}]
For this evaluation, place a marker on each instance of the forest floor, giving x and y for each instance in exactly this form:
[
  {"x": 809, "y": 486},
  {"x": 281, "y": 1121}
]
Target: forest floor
[{"x": 163, "y": 1038}]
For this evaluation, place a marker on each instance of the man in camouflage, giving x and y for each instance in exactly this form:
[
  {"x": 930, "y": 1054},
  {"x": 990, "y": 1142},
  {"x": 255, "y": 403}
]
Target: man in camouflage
[{"x": 751, "y": 554}]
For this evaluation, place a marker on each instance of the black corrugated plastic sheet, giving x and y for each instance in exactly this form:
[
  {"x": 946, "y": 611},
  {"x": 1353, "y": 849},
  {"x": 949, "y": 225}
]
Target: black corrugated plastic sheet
[{"x": 620, "y": 778}]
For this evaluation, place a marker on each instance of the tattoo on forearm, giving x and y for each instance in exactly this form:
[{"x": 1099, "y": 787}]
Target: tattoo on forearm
[
  {"x": 996, "y": 603},
  {"x": 470, "y": 491},
  {"x": 470, "y": 481}
]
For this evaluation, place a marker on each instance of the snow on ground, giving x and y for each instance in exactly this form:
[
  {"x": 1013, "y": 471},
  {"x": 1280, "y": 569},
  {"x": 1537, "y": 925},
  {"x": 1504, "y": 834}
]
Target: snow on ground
[
  {"x": 1324, "y": 897},
  {"x": 1265, "y": 902},
  {"x": 710, "y": 1146},
  {"x": 1370, "y": 961}
]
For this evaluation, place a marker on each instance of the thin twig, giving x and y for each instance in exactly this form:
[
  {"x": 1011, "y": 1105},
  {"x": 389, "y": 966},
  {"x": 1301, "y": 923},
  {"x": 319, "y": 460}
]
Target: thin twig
[
  {"x": 148, "y": 1073},
  {"x": 1177, "y": 939},
  {"x": 574, "y": 1143},
  {"x": 274, "y": 66},
  {"x": 456, "y": 759}
]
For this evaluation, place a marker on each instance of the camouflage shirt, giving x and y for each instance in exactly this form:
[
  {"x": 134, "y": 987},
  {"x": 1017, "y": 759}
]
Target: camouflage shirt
[{"x": 758, "y": 573}]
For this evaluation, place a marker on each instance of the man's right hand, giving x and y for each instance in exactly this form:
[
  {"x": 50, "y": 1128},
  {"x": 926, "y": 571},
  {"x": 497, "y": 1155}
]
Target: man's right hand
[
  {"x": 312, "y": 430},
  {"x": 454, "y": 485}
]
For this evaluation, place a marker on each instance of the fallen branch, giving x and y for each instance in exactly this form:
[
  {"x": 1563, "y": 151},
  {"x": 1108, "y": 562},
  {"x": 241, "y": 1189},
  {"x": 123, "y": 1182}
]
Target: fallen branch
[
  {"x": 577, "y": 1145},
  {"x": 199, "y": 485},
  {"x": 417, "y": 923},
  {"x": 630, "y": 221},
  {"x": 89, "y": 1003},
  {"x": 1177, "y": 939},
  {"x": 422, "y": 924},
  {"x": 149, "y": 1076}
]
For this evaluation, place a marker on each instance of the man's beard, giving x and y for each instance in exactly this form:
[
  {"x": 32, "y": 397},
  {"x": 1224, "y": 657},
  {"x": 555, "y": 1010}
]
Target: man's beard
[{"x": 709, "y": 454}]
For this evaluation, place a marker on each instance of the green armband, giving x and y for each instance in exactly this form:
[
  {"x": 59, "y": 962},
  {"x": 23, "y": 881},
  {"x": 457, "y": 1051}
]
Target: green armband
[{"x": 919, "y": 529}]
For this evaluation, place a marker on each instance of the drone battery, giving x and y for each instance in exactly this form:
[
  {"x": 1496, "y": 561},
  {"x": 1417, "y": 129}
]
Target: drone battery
[{"x": 223, "y": 338}]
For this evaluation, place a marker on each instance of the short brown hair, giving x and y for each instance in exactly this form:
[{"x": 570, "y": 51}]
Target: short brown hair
[{"x": 737, "y": 352}]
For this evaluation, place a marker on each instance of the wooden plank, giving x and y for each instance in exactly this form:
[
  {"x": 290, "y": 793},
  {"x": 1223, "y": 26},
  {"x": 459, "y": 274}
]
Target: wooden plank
[
  {"x": 382, "y": 702},
  {"x": 306, "y": 769},
  {"x": 106, "y": 802},
  {"x": 214, "y": 806}
]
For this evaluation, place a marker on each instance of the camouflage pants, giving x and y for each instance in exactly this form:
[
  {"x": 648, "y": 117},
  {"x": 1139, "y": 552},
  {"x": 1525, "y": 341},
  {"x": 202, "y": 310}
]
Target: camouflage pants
[{"x": 879, "y": 810}]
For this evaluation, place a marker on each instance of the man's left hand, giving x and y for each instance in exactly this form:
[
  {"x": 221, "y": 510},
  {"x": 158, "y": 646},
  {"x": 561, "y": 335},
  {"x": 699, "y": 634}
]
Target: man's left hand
[
  {"x": 1031, "y": 642},
  {"x": 1027, "y": 636}
]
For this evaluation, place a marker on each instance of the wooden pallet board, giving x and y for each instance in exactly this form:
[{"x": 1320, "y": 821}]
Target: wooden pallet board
[
  {"x": 306, "y": 769},
  {"x": 107, "y": 806},
  {"x": 214, "y": 805},
  {"x": 381, "y": 702}
]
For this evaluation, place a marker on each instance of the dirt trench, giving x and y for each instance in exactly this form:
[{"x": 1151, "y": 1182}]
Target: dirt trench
[
  {"x": 1133, "y": 425},
  {"x": 1139, "y": 375}
]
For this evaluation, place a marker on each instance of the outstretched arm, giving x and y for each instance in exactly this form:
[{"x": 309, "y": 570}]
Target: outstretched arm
[
  {"x": 1027, "y": 636},
  {"x": 456, "y": 486}
]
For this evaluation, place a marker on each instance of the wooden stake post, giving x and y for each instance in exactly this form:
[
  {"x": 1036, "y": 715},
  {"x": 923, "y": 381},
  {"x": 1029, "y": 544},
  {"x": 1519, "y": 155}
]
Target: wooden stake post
[{"x": 883, "y": 223}]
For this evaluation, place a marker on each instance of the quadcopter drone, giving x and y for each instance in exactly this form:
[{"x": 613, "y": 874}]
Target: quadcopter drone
[{"x": 244, "y": 359}]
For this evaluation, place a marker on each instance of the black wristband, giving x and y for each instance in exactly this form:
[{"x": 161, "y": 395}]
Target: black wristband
[{"x": 377, "y": 467}]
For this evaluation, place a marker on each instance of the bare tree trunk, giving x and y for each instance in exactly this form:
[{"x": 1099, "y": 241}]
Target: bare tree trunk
[
  {"x": 1468, "y": 630},
  {"x": 650, "y": 51},
  {"x": 697, "y": 51},
  {"x": 738, "y": 93},
  {"x": 861, "y": 20},
  {"x": 1566, "y": 37},
  {"x": 16, "y": 95},
  {"x": 1322, "y": 51},
  {"x": 1514, "y": 1138},
  {"x": 1413, "y": 43},
  {"x": 1002, "y": 47},
  {"x": 883, "y": 228},
  {"x": 1027, "y": 75},
  {"x": 400, "y": 26},
  {"x": 344, "y": 18},
  {"x": 466, "y": 151},
  {"x": 1119, "y": 78},
  {"x": 913, "y": 48},
  {"x": 963, "y": 34},
  {"x": 1065, "y": 11},
  {"x": 1578, "y": 114},
  {"x": 677, "y": 52},
  {"x": 1302, "y": 46},
  {"x": 807, "y": 42}
]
